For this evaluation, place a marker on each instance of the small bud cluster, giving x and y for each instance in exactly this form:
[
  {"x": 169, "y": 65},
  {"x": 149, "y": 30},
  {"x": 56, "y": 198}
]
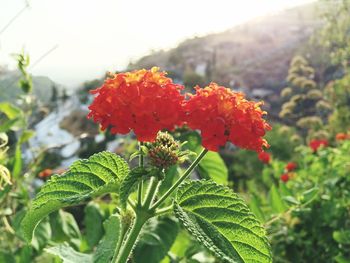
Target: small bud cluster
[{"x": 164, "y": 152}]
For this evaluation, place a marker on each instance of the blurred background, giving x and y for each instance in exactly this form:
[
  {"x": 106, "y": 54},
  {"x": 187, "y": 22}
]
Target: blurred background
[{"x": 292, "y": 54}]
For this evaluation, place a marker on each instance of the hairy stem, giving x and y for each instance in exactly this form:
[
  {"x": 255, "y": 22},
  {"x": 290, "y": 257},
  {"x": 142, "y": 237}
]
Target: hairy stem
[
  {"x": 164, "y": 210},
  {"x": 140, "y": 185},
  {"x": 151, "y": 192},
  {"x": 131, "y": 239},
  {"x": 181, "y": 179}
]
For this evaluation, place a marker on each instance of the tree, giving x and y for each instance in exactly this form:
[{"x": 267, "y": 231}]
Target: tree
[{"x": 302, "y": 98}]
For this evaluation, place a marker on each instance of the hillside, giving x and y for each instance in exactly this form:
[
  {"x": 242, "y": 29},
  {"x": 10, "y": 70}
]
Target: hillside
[
  {"x": 9, "y": 88},
  {"x": 253, "y": 57}
]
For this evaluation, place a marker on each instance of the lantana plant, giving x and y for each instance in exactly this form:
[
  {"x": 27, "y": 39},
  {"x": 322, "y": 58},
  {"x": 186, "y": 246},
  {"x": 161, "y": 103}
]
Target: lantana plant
[{"x": 147, "y": 103}]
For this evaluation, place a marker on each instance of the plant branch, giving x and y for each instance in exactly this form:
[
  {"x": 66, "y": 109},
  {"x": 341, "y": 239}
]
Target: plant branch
[
  {"x": 164, "y": 210},
  {"x": 131, "y": 240},
  {"x": 181, "y": 179},
  {"x": 151, "y": 192},
  {"x": 140, "y": 185}
]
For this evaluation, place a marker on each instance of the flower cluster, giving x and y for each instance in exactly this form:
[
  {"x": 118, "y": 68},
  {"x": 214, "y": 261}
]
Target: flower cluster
[
  {"x": 291, "y": 166},
  {"x": 45, "y": 173},
  {"x": 317, "y": 143},
  {"x": 342, "y": 136},
  {"x": 264, "y": 157},
  {"x": 223, "y": 115},
  {"x": 145, "y": 101},
  {"x": 284, "y": 177}
]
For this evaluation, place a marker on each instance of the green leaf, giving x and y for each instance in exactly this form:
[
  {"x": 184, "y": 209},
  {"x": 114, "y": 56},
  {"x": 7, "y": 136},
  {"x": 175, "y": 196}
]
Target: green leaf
[
  {"x": 42, "y": 235},
  {"x": 222, "y": 222},
  {"x": 255, "y": 206},
  {"x": 277, "y": 203},
  {"x": 3, "y": 139},
  {"x": 342, "y": 237},
  {"x": 10, "y": 110},
  {"x": 17, "y": 161},
  {"x": 14, "y": 115},
  {"x": 342, "y": 259},
  {"x": 68, "y": 254},
  {"x": 309, "y": 195},
  {"x": 106, "y": 247},
  {"x": 8, "y": 124},
  {"x": 156, "y": 239},
  {"x": 65, "y": 228},
  {"x": 96, "y": 176},
  {"x": 93, "y": 224},
  {"x": 26, "y": 135},
  {"x": 213, "y": 167},
  {"x": 127, "y": 184}
]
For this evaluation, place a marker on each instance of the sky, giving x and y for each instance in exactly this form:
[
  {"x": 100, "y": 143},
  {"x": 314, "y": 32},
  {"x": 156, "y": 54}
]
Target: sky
[{"x": 72, "y": 41}]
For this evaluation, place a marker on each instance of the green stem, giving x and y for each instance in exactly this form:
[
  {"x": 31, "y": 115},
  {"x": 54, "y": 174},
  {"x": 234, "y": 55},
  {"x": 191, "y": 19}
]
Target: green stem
[
  {"x": 147, "y": 210},
  {"x": 123, "y": 231},
  {"x": 181, "y": 179},
  {"x": 164, "y": 210},
  {"x": 131, "y": 240},
  {"x": 151, "y": 192},
  {"x": 143, "y": 213},
  {"x": 140, "y": 185}
]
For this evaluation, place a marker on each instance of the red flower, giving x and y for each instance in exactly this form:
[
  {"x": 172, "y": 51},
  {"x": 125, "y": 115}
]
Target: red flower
[
  {"x": 144, "y": 101},
  {"x": 291, "y": 166},
  {"x": 315, "y": 144},
  {"x": 45, "y": 173},
  {"x": 341, "y": 136},
  {"x": 284, "y": 178},
  {"x": 264, "y": 157},
  {"x": 223, "y": 115}
]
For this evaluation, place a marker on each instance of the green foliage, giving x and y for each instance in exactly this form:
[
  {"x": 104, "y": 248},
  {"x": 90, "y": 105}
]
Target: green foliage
[
  {"x": 106, "y": 248},
  {"x": 96, "y": 176},
  {"x": 68, "y": 254},
  {"x": 65, "y": 229},
  {"x": 93, "y": 221},
  {"x": 129, "y": 182},
  {"x": 213, "y": 167},
  {"x": 276, "y": 201},
  {"x": 156, "y": 239},
  {"x": 222, "y": 222},
  {"x": 338, "y": 94},
  {"x": 307, "y": 217},
  {"x": 23, "y": 61}
]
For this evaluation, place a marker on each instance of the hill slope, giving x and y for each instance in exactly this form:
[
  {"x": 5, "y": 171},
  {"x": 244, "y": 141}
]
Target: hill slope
[{"x": 254, "y": 55}]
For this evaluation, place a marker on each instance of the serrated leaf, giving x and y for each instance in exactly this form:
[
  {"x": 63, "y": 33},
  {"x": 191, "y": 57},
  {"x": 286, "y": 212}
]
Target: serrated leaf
[
  {"x": 127, "y": 184},
  {"x": 68, "y": 254},
  {"x": 212, "y": 166},
  {"x": 96, "y": 176},
  {"x": 222, "y": 222},
  {"x": 156, "y": 239},
  {"x": 106, "y": 248}
]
